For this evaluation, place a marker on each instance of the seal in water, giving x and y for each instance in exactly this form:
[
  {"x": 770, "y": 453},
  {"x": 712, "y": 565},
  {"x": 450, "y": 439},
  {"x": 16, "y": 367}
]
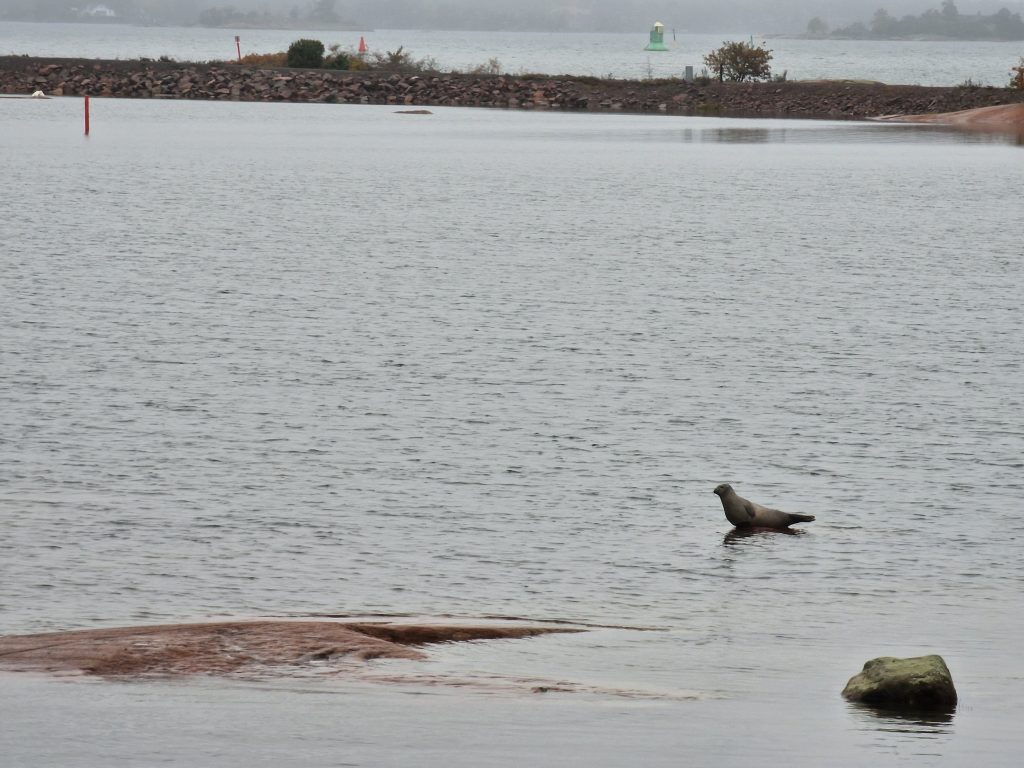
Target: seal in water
[{"x": 746, "y": 514}]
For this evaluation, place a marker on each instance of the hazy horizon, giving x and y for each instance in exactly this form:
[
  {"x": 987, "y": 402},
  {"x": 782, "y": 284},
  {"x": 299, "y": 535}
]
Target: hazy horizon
[{"x": 736, "y": 16}]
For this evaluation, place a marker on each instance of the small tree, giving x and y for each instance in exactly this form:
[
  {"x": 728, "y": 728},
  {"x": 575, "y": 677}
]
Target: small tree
[
  {"x": 737, "y": 62},
  {"x": 1017, "y": 76},
  {"x": 307, "y": 54}
]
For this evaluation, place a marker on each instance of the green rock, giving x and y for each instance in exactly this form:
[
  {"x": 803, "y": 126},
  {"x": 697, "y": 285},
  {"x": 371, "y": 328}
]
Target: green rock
[{"x": 920, "y": 683}]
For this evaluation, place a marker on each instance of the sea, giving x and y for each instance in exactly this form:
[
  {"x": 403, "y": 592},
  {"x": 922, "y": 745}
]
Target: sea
[
  {"x": 285, "y": 360},
  {"x": 621, "y": 55}
]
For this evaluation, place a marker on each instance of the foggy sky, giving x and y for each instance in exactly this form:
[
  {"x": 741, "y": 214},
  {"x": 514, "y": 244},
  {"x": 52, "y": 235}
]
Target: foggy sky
[{"x": 734, "y": 16}]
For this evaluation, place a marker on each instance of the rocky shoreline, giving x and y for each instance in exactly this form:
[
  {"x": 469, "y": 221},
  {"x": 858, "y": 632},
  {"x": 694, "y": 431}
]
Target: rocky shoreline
[{"x": 23, "y": 75}]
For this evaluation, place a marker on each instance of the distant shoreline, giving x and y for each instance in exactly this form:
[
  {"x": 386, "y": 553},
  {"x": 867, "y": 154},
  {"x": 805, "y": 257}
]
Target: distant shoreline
[
  {"x": 901, "y": 39},
  {"x": 286, "y": 27},
  {"x": 832, "y": 99}
]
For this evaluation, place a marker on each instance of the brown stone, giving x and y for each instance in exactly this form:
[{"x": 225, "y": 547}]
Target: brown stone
[
  {"x": 253, "y": 647},
  {"x": 1002, "y": 118}
]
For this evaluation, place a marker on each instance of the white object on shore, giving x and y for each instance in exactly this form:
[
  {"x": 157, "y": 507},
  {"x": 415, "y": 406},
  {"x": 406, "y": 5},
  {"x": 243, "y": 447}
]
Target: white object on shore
[{"x": 38, "y": 95}]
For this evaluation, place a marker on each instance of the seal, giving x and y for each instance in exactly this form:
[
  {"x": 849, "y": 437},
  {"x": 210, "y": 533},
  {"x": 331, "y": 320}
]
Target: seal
[{"x": 744, "y": 513}]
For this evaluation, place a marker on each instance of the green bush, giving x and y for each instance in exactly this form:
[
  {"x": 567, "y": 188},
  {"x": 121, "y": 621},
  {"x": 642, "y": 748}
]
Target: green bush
[
  {"x": 737, "y": 62},
  {"x": 306, "y": 54},
  {"x": 338, "y": 60}
]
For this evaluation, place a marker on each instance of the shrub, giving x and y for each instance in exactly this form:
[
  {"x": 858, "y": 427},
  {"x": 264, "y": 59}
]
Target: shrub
[
  {"x": 398, "y": 61},
  {"x": 1017, "y": 76},
  {"x": 307, "y": 54},
  {"x": 492, "y": 67},
  {"x": 338, "y": 60},
  {"x": 265, "y": 60},
  {"x": 737, "y": 62}
]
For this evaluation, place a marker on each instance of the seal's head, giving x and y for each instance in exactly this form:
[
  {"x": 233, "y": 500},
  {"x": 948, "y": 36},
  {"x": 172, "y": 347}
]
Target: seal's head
[{"x": 723, "y": 489}]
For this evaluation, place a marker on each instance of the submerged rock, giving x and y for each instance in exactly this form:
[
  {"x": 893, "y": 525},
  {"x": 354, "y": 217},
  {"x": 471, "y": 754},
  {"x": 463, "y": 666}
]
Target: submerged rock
[
  {"x": 919, "y": 683},
  {"x": 1001, "y": 118},
  {"x": 250, "y": 647}
]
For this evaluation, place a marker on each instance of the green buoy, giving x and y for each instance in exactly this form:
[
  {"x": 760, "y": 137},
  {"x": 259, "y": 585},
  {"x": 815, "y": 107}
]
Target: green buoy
[{"x": 657, "y": 38}]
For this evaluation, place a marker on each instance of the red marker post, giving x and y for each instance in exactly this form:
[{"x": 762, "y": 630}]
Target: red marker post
[
  {"x": 86, "y": 115},
  {"x": 238, "y": 47}
]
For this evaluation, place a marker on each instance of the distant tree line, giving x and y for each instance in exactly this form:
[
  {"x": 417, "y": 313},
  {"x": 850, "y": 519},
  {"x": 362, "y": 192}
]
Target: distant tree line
[
  {"x": 945, "y": 22},
  {"x": 311, "y": 12},
  {"x": 124, "y": 11},
  {"x": 626, "y": 16},
  {"x": 319, "y": 13},
  {"x": 64, "y": 10}
]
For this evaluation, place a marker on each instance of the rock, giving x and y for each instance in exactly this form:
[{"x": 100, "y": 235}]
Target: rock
[
  {"x": 256, "y": 648},
  {"x": 841, "y": 99},
  {"x": 999, "y": 118},
  {"x": 919, "y": 683}
]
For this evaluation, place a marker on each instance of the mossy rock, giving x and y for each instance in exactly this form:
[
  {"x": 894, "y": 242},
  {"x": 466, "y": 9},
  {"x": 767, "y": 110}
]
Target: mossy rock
[{"x": 919, "y": 683}]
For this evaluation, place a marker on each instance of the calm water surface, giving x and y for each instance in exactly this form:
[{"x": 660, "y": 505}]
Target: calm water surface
[
  {"x": 616, "y": 55},
  {"x": 291, "y": 359}
]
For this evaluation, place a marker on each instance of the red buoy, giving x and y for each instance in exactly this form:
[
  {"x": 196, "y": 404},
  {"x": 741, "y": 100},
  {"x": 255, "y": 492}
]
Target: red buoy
[{"x": 362, "y": 45}]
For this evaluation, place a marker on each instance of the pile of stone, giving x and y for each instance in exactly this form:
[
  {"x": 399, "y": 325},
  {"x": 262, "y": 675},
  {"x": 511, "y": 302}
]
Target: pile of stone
[{"x": 171, "y": 80}]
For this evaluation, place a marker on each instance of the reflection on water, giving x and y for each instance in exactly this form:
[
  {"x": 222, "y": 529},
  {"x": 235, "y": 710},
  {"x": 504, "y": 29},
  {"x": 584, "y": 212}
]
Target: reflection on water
[
  {"x": 833, "y": 133},
  {"x": 746, "y": 536},
  {"x": 920, "y": 737},
  {"x": 928, "y": 721},
  {"x": 888, "y": 721}
]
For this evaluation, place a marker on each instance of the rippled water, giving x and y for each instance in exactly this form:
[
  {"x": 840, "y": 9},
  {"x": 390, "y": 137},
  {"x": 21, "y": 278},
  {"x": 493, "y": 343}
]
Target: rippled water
[
  {"x": 617, "y": 55},
  {"x": 289, "y": 359}
]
